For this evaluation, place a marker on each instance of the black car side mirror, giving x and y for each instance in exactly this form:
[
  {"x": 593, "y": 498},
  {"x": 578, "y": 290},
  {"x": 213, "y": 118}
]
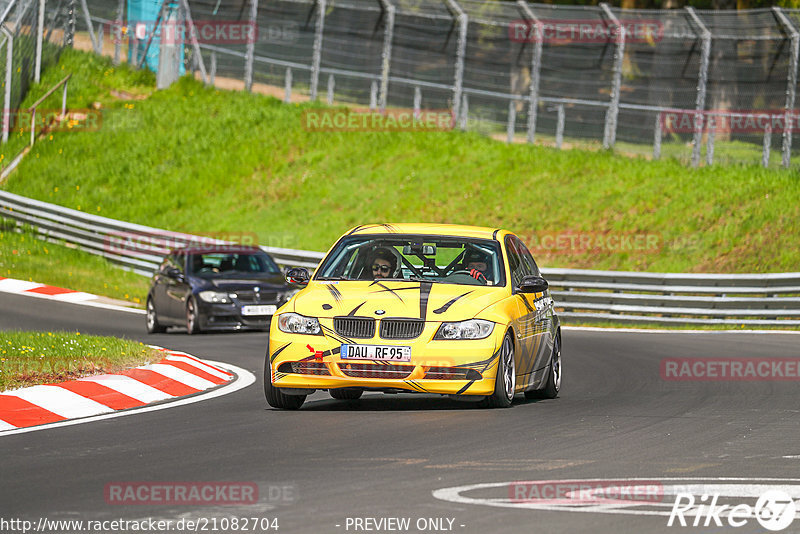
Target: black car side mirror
[
  {"x": 533, "y": 284},
  {"x": 298, "y": 276},
  {"x": 174, "y": 273}
]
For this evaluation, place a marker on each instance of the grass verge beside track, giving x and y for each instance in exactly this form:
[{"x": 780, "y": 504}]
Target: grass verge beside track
[
  {"x": 30, "y": 358},
  {"x": 25, "y": 257}
]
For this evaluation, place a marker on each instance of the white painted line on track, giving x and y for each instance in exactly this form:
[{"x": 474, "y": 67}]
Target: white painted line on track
[
  {"x": 9, "y": 285},
  {"x": 673, "y": 331},
  {"x": 243, "y": 379},
  {"x": 60, "y": 401},
  {"x": 130, "y": 387}
]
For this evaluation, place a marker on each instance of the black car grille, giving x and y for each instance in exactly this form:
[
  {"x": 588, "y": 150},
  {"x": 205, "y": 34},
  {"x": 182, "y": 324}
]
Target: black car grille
[
  {"x": 367, "y": 370},
  {"x": 452, "y": 373},
  {"x": 354, "y": 327},
  {"x": 304, "y": 368},
  {"x": 401, "y": 328},
  {"x": 257, "y": 297}
]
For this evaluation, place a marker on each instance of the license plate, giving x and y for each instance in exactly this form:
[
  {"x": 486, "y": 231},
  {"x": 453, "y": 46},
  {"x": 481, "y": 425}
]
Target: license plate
[
  {"x": 376, "y": 352},
  {"x": 268, "y": 309}
]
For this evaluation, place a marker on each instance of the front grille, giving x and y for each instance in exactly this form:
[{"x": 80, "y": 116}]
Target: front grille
[
  {"x": 253, "y": 297},
  {"x": 354, "y": 327},
  {"x": 304, "y": 368},
  {"x": 401, "y": 328},
  {"x": 366, "y": 370},
  {"x": 452, "y": 373}
]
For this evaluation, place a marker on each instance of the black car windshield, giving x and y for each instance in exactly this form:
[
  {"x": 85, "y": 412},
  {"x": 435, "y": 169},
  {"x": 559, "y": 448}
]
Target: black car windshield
[
  {"x": 453, "y": 260},
  {"x": 223, "y": 264}
]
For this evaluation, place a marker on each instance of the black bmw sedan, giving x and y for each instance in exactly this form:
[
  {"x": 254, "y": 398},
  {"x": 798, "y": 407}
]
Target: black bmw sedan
[{"x": 216, "y": 287}]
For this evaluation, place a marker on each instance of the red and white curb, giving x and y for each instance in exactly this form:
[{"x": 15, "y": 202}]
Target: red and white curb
[
  {"x": 35, "y": 289},
  {"x": 102, "y": 396}
]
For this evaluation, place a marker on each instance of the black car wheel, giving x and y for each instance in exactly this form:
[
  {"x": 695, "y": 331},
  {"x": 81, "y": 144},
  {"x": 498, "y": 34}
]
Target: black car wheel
[
  {"x": 346, "y": 393},
  {"x": 192, "y": 326},
  {"x": 151, "y": 318},
  {"x": 506, "y": 379},
  {"x": 553, "y": 385},
  {"x": 275, "y": 398}
]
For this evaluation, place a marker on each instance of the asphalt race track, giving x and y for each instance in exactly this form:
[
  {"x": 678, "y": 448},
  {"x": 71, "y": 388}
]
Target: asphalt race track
[{"x": 385, "y": 455}]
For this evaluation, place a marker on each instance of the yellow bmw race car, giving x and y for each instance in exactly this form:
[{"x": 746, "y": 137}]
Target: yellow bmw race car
[{"x": 454, "y": 310}]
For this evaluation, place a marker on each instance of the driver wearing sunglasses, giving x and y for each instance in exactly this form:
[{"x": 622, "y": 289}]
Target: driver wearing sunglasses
[{"x": 383, "y": 263}]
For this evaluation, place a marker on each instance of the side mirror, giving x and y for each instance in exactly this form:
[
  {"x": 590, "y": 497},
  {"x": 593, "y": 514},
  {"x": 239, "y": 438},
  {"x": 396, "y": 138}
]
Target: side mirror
[
  {"x": 174, "y": 273},
  {"x": 533, "y": 284},
  {"x": 298, "y": 276}
]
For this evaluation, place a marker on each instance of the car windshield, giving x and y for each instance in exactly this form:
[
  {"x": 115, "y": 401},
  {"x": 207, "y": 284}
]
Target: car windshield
[
  {"x": 241, "y": 264},
  {"x": 452, "y": 260}
]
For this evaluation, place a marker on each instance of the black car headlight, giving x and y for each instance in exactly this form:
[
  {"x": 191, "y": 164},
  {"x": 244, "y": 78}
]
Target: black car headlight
[
  {"x": 294, "y": 323},
  {"x": 470, "y": 329},
  {"x": 216, "y": 297}
]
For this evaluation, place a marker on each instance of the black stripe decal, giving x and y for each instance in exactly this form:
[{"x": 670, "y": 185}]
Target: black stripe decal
[
  {"x": 354, "y": 310},
  {"x": 525, "y": 301},
  {"x": 424, "y": 293},
  {"x": 462, "y": 390},
  {"x": 341, "y": 339},
  {"x": 337, "y": 296},
  {"x": 450, "y": 303},
  {"x": 392, "y": 291},
  {"x": 275, "y": 354}
]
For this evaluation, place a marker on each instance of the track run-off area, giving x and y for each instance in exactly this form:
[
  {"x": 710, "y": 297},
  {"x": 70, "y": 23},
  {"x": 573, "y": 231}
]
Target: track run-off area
[{"x": 415, "y": 463}]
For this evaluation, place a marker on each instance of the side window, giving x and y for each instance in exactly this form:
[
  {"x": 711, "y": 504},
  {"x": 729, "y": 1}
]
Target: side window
[
  {"x": 527, "y": 258},
  {"x": 514, "y": 262}
]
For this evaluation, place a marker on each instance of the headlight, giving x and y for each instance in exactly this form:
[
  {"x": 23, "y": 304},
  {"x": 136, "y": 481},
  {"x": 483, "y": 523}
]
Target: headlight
[
  {"x": 215, "y": 297},
  {"x": 471, "y": 329},
  {"x": 294, "y": 323}
]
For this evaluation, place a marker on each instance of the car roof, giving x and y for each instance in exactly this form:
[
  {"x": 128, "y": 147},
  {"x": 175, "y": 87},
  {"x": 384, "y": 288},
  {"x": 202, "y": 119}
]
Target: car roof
[
  {"x": 210, "y": 249},
  {"x": 460, "y": 230}
]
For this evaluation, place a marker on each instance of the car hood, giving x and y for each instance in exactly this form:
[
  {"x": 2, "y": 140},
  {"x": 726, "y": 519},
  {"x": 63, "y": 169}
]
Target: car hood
[
  {"x": 426, "y": 300},
  {"x": 268, "y": 283}
]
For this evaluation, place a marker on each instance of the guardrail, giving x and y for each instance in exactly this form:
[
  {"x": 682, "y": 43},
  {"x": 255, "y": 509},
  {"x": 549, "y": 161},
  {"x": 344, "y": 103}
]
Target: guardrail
[{"x": 581, "y": 295}]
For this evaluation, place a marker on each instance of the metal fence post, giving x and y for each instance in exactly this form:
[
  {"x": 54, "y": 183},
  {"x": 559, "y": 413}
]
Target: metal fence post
[
  {"x": 69, "y": 27},
  {"x": 37, "y": 76},
  {"x": 767, "y": 145},
  {"x": 251, "y": 46},
  {"x": 316, "y": 58},
  {"x": 212, "y": 73},
  {"x": 118, "y": 36},
  {"x": 287, "y": 86},
  {"x": 512, "y": 121},
  {"x": 560, "y": 126},
  {"x": 9, "y": 73},
  {"x": 373, "y": 95},
  {"x": 386, "y": 53},
  {"x": 710, "y": 147},
  {"x": 536, "y": 65},
  {"x": 195, "y": 45},
  {"x": 417, "y": 101},
  {"x": 657, "y": 138},
  {"x": 88, "y": 18},
  {"x": 464, "y": 110},
  {"x": 791, "y": 86},
  {"x": 610, "y": 133},
  {"x": 331, "y": 85},
  {"x": 702, "y": 80},
  {"x": 461, "y": 49}
]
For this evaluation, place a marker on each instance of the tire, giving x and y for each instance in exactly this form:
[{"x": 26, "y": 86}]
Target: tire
[
  {"x": 346, "y": 393},
  {"x": 553, "y": 385},
  {"x": 151, "y": 319},
  {"x": 192, "y": 324},
  {"x": 506, "y": 378},
  {"x": 275, "y": 398}
]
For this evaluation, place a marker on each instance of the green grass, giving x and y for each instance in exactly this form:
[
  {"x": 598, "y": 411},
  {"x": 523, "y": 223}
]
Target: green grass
[
  {"x": 205, "y": 161},
  {"x": 29, "y": 358},
  {"x": 23, "y": 256}
]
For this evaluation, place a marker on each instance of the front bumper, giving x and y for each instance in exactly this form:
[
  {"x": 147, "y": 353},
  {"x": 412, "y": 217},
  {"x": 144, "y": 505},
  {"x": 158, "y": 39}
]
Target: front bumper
[
  {"x": 229, "y": 316},
  {"x": 459, "y": 367}
]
